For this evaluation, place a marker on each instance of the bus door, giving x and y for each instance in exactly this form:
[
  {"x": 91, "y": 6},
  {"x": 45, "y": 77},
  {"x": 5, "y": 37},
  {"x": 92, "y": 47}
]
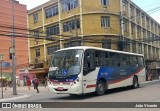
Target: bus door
[{"x": 89, "y": 72}]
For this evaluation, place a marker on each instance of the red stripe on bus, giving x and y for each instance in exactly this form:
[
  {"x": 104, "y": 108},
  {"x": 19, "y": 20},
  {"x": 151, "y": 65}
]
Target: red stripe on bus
[
  {"x": 119, "y": 80},
  {"x": 91, "y": 86}
]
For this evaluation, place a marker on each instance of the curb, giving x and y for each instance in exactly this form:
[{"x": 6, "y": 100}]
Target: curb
[
  {"x": 14, "y": 98},
  {"x": 150, "y": 81}
]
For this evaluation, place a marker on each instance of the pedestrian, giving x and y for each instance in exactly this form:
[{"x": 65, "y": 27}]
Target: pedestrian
[
  {"x": 6, "y": 85},
  {"x": 33, "y": 82},
  {"x": 45, "y": 83},
  {"x": 36, "y": 83},
  {"x": 28, "y": 83}
]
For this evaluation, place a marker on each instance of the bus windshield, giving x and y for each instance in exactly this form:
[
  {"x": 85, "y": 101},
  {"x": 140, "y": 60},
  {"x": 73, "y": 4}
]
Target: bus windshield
[{"x": 66, "y": 63}]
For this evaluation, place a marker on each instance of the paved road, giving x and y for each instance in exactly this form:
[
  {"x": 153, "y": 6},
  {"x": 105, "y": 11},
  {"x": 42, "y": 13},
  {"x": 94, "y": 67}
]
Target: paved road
[{"x": 149, "y": 92}]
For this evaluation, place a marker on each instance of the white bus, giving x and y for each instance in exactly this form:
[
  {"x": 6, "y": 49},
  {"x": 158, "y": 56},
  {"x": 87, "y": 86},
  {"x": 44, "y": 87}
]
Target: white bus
[{"x": 79, "y": 70}]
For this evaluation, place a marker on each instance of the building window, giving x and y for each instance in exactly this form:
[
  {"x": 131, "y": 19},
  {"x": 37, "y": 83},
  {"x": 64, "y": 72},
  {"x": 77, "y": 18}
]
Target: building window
[
  {"x": 36, "y": 34},
  {"x": 104, "y": 2},
  {"x": 6, "y": 64},
  {"x": 138, "y": 16},
  {"x": 132, "y": 29},
  {"x": 152, "y": 25},
  {"x": 52, "y": 49},
  {"x": 72, "y": 44},
  {"x": 125, "y": 26},
  {"x": 159, "y": 30},
  {"x": 143, "y": 19},
  {"x": 144, "y": 34},
  {"x": 69, "y": 4},
  {"x": 147, "y": 21},
  {"x": 37, "y": 52},
  {"x": 124, "y": 6},
  {"x": 106, "y": 44},
  {"x": 148, "y": 36},
  {"x": 53, "y": 11},
  {"x": 132, "y": 13},
  {"x": 54, "y": 30},
  {"x": 71, "y": 25},
  {"x": 105, "y": 21},
  {"x": 138, "y": 32},
  {"x": 35, "y": 17},
  {"x": 155, "y": 28}
]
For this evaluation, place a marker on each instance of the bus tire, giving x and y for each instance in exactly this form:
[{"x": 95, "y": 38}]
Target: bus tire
[
  {"x": 100, "y": 88},
  {"x": 135, "y": 82}
]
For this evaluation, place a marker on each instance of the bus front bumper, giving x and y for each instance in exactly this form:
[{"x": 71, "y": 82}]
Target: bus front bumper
[{"x": 73, "y": 88}]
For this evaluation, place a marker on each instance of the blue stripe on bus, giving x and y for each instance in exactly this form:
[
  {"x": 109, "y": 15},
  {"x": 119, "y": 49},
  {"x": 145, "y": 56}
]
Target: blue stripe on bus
[{"x": 117, "y": 74}]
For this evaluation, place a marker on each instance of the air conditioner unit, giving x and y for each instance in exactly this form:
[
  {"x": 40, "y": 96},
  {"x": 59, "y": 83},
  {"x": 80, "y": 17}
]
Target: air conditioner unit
[
  {"x": 36, "y": 20},
  {"x": 105, "y": 6}
]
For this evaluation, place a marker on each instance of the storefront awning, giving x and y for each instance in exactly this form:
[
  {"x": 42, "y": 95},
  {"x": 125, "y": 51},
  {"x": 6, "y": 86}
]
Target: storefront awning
[{"x": 36, "y": 71}]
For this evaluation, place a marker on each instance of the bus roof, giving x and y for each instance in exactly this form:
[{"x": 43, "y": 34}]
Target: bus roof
[{"x": 102, "y": 49}]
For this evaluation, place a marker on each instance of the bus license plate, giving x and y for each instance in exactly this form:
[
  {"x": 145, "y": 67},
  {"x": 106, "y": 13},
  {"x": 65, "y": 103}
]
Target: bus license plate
[{"x": 60, "y": 88}]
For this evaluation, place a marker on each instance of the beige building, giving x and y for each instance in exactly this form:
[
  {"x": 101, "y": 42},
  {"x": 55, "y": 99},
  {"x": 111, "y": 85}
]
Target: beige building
[{"x": 113, "y": 24}]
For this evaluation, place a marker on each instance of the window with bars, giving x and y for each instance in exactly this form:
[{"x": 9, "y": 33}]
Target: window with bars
[
  {"x": 132, "y": 12},
  {"x": 50, "y": 12},
  {"x": 105, "y": 21},
  {"x": 125, "y": 25},
  {"x": 71, "y": 25},
  {"x": 138, "y": 16},
  {"x": 72, "y": 44},
  {"x": 36, "y": 34},
  {"x": 37, "y": 52},
  {"x": 35, "y": 17},
  {"x": 52, "y": 49},
  {"x": 69, "y": 4},
  {"x": 53, "y": 30},
  {"x": 138, "y": 32},
  {"x": 105, "y": 2},
  {"x": 124, "y": 8}
]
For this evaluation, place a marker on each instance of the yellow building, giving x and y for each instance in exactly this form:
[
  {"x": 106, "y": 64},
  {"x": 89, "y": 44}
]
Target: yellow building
[{"x": 113, "y": 24}]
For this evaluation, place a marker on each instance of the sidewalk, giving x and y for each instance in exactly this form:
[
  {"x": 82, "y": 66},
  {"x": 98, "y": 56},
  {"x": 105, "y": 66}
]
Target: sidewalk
[{"x": 22, "y": 92}]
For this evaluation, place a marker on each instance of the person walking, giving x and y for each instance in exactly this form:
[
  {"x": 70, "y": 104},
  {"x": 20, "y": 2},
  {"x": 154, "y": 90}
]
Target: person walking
[
  {"x": 36, "y": 83},
  {"x": 28, "y": 83}
]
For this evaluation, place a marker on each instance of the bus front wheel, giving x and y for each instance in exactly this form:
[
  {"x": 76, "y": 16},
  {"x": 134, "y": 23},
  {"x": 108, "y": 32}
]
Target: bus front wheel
[
  {"x": 135, "y": 82},
  {"x": 100, "y": 88}
]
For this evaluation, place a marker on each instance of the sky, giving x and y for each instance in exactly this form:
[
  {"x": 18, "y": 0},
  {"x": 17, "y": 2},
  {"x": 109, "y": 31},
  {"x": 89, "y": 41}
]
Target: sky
[{"x": 146, "y": 5}]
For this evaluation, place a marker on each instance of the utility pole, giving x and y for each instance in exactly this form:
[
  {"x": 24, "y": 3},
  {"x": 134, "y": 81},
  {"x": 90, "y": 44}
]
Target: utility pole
[
  {"x": 13, "y": 54},
  {"x": 1, "y": 61},
  {"x": 121, "y": 23},
  {"x": 75, "y": 20}
]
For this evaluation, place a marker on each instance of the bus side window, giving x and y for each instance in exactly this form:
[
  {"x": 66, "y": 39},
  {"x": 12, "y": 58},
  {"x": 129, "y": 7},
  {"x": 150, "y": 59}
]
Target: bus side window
[
  {"x": 123, "y": 59},
  {"x": 100, "y": 57},
  {"x": 140, "y": 61},
  {"x": 133, "y": 61},
  {"x": 111, "y": 59},
  {"x": 114, "y": 59},
  {"x": 89, "y": 61}
]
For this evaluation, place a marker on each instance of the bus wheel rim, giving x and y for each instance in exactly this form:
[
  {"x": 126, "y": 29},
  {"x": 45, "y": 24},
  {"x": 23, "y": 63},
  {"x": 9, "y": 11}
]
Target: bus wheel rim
[{"x": 100, "y": 88}]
